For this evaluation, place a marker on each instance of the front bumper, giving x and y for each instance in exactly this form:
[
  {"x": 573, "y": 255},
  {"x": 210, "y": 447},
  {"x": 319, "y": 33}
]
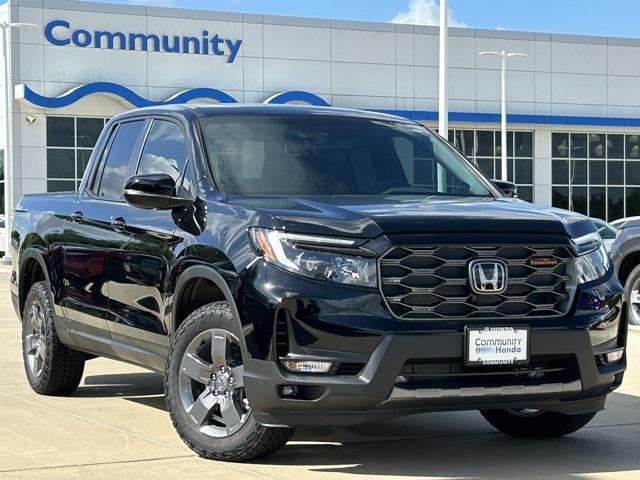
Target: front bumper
[{"x": 375, "y": 392}]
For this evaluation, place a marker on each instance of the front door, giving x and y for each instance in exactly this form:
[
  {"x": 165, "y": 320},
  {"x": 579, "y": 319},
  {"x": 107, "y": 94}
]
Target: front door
[{"x": 138, "y": 268}]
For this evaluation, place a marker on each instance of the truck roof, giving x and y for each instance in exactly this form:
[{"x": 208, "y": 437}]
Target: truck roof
[{"x": 208, "y": 110}]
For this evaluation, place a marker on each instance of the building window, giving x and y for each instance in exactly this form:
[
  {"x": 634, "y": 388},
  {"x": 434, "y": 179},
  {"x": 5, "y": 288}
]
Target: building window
[
  {"x": 70, "y": 141},
  {"x": 483, "y": 148},
  {"x": 596, "y": 174}
]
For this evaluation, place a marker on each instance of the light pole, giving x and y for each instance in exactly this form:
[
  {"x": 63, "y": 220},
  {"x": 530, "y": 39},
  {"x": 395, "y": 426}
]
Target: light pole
[
  {"x": 443, "y": 100},
  {"x": 8, "y": 144},
  {"x": 443, "y": 96},
  {"x": 503, "y": 107}
]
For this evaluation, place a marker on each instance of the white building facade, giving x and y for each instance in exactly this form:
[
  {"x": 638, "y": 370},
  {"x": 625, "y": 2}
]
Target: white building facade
[{"x": 573, "y": 102}]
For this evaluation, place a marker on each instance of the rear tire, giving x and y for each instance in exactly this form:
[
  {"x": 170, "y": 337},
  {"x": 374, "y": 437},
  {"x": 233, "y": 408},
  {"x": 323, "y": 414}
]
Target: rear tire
[
  {"x": 632, "y": 296},
  {"x": 52, "y": 368},
  {"x": 522, "y": 424},
  {"x": 204, "y": 390}
]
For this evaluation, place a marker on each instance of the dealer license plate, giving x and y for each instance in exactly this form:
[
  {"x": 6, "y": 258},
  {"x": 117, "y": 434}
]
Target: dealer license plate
[{"x": 497, "y": 346}]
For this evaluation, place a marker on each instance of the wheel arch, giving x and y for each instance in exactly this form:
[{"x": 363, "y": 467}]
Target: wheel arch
[
  {"x": 32, "y": 269},
  {"x": 184, "y": 285},
  {"x": 626, "y": 266}
]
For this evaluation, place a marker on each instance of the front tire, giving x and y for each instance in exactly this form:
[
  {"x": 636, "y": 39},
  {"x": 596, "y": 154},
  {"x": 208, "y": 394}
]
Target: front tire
[
  {"x": 205, "y": 394},
  {"x": 52, "y": 368},
  {"x": 524, "y": 423},
  {"x": 632, "y": 296}
]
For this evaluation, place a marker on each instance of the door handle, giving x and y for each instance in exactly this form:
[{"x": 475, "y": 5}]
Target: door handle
[
  {"x": 77, "y": 217},
  {"x": 118, "y": 224}
]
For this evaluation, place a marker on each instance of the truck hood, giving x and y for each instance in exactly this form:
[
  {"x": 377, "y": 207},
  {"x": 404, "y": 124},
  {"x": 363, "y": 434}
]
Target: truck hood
[{"x": 370, "y": 216}]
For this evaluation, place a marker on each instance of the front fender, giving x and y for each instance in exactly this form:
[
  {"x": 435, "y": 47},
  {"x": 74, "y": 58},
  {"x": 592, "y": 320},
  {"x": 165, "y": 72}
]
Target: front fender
[{"x": 193, "y": 269}]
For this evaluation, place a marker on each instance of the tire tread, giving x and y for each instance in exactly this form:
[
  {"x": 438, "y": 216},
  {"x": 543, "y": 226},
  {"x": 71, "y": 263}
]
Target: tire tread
[
  {"x": 63, "y": 368},
  {"x": 545, "y": 425}
]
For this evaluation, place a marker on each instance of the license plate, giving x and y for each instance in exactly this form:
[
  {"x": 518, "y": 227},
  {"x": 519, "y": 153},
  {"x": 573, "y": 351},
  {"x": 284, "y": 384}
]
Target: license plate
[{"x": 497, "y": 345}]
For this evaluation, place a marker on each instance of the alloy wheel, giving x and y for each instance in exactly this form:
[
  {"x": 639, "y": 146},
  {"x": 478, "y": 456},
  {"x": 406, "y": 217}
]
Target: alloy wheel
[
  {"x": 211, "y": 384},
  {"x": 35, "y": 342}
]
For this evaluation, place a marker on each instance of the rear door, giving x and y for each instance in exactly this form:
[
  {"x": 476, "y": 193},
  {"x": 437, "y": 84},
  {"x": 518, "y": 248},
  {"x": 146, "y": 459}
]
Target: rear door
[{"x": 92, "y": 237}]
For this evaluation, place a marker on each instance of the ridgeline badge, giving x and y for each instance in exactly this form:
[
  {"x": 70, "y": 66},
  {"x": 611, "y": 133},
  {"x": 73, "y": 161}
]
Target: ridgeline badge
[{"x": 59, "y": 32}]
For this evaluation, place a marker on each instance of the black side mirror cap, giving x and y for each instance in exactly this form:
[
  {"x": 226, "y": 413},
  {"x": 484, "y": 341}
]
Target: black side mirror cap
[
  {"x": 154, "y": 191},
  {"x": 508, "y": 188}
]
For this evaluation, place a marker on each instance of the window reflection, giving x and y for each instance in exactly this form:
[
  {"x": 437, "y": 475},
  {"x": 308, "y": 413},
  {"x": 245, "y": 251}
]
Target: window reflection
[
  {"x": 602, "y": 177},
  {"x": 483, "y": 147},
  {"x": 578, "y": 145}
]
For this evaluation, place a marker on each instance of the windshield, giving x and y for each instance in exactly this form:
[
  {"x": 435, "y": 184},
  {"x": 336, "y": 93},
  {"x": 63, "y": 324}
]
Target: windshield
[
  {"x": 605, "y": 230},
  {"x": 321, "y": 155}
]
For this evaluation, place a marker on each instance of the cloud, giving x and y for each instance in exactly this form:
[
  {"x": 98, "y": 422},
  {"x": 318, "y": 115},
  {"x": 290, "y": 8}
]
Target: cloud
[{"x": 424, "y": 12}]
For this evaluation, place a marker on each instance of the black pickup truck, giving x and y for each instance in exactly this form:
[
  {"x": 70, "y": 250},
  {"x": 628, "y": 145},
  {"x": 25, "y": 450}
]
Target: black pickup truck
[{"x": 290, "y": 266}]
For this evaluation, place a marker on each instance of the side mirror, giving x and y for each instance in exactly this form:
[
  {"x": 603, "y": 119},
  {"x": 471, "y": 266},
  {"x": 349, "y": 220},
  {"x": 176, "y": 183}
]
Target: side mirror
[
  {"x": 508, "y": 188},
  {"x": 154, "y": 191}
]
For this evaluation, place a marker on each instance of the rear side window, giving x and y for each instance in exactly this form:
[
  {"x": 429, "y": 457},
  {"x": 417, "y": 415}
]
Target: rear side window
[
  {"x": 118, "y": 162},
  {"x": 165, "y": 150}
]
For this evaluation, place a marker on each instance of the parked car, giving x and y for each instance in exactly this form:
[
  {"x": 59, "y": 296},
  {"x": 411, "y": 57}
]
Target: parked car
[
  {"x": 625, "y": 254},
  {"x": 607, "y": 232},
  {"x": 294, "y": 266},
  {"x": 621, "y": 221}
]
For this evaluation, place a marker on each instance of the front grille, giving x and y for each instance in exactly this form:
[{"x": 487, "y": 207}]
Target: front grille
[
  {"x": 541, "y": 369},
  {"x": 432, "y": 282}
]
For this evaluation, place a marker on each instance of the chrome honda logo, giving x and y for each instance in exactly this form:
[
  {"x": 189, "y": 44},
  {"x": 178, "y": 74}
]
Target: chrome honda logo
[{"x": 488, "y": 276}]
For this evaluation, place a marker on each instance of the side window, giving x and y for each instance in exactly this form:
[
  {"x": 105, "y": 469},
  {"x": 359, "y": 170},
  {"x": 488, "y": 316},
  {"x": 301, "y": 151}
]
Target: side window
[
  {"x": 165, "y": 150},
  {"x": 117, "y": 164}
]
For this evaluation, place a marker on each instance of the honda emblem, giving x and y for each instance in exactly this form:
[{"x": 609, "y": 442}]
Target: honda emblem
[{"x": 488, "y": 276}]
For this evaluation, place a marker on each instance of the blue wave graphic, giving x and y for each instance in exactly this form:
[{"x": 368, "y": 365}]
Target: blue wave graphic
[
  {"x": 117, "y": 90},
  {"x": 123, "y": 92},
  {"x": 297, "y": 96}
]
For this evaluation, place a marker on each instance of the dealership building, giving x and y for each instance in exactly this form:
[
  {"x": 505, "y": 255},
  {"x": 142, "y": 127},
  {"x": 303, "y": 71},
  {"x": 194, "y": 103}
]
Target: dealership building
[{"x": 573, "y": 102}]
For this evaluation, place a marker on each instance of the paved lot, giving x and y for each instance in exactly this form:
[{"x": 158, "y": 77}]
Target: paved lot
[{"x": 115, "y": 426}]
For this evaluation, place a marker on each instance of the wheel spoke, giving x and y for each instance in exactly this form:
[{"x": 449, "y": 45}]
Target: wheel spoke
[
  {"x": 230, "y": 414},
  {"x": 218, "y": 350},
  {"x": 41, "y": 351},
  {"x": 31, "y": 342},
  {"x": 37, "y": 364},
  {"x": 195, "y": 368},
  {"x": 635, "y": 297},
  {"x": 31, "y": 359},
  {"x": 238, "y": 376},
  {"x": 201, "y": 408},
  {"x": 35, "y": 317}
]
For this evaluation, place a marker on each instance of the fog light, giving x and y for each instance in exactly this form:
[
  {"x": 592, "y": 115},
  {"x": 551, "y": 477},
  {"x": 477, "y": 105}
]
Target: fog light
[
  {"x": 615, "y": 356},
  {"x": 307, "y": 366},
  {"x": 288, "y": 390}
]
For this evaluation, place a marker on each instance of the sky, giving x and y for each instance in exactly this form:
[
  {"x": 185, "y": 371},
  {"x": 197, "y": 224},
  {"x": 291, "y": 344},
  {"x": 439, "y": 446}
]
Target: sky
[{"x": 590, "y": 17}]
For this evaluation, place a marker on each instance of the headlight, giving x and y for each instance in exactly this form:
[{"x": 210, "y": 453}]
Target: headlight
[
  {"x": 296, "y": 253},
  {"x": 595, "y": 263}
]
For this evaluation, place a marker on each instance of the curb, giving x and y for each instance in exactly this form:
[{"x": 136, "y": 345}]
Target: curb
[{"x": 634, "y": 330}]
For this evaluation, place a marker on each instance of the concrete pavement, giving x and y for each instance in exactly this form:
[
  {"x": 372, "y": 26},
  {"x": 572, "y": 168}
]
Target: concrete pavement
[{"x": 115, "y": 426}]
